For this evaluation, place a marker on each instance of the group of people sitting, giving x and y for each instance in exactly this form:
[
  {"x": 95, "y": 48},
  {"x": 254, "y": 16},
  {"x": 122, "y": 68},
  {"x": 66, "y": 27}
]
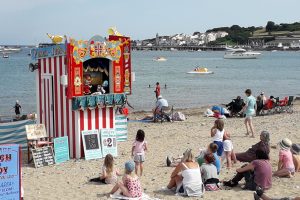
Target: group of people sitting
[{"x": 192, "y": 176}]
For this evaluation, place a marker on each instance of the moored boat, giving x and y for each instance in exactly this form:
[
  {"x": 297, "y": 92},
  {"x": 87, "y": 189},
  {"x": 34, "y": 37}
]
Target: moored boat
[
  {"x": 160, "y": 59},
  {"x": 241, "y": 54},
  {"x": 200, "y": 70}
]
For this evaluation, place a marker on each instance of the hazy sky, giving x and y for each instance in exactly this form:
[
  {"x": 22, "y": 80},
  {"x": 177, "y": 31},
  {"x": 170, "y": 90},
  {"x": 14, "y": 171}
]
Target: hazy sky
[{"x": 28, "y": 21}]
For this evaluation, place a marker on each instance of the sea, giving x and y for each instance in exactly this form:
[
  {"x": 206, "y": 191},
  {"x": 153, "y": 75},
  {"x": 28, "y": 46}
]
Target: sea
[{"x": 274, "y": 73}]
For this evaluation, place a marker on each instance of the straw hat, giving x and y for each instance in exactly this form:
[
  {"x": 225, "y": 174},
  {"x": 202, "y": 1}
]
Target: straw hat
[
  {"x": 295, "y": 149},
  {"x": 285, "y": 143}
]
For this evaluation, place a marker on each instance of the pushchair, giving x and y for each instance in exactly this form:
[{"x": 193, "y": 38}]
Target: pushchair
[{"x": 165, "y": 114}]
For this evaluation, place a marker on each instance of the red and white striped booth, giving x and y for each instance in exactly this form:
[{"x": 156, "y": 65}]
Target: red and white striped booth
[{"x": 68, "y": 77}]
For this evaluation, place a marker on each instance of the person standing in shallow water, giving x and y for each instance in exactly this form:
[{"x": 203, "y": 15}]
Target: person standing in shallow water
[
  {"x": 249, "y": 110},
  {"x": 17, "y": 108},
  {"x": 157, "y": 90}
]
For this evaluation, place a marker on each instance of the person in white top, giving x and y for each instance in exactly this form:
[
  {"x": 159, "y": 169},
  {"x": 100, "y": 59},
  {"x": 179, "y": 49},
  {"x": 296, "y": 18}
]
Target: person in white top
[
  {"x": 161, "y": 102},
  {"x": 186, "y": 177},
  {"x": 217, "y": 133}
]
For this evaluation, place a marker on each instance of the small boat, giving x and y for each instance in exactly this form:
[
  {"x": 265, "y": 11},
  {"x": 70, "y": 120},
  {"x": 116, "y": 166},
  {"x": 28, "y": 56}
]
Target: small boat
[
  {"x": 5, "y": 56},
  {"x": 160, "y": 59},
  {"x": 200, "y": 70},
  {"x": 241, "y": 54}
]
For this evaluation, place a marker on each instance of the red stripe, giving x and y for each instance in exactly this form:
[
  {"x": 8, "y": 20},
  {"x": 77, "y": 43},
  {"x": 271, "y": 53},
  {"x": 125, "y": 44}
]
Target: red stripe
[
  {"x": 44, "y": 107},
  {"x": 73, "y": 132},
  {"x": 81, "y": 129},
  {"x": 103, "y": 117},
  {"x": 50, "y": 66},
  {"x": 56, "y": 98},
  {"x": 61, "y": 98},
  {"x": 48, "y": 96},
  {"x": 97, "y": 118},
  {"x": 89, "y": 119},
  {"x": 111, "y": 115},
  {"x": 68, "y": 122},
  {"x": 40, "y": 91},
  {"x": 44, "y": 60}
]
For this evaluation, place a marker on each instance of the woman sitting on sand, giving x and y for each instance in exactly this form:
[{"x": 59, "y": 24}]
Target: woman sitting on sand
[
  {"x": 256, "y": 173},
  {"x": 209, "y": 173},
  {"x": 262, "y": 145},
  {"x": 186, "y": 176}
]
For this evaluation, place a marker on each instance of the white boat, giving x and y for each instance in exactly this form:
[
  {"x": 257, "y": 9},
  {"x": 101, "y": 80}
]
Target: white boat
[
  {"x": 240, "y": 54},
  {"x": 160, "y": 59},
  {"x": 200, "y": 70},
  {"x": 5, "y": 56},
  {"x": 9, "y": 49}
]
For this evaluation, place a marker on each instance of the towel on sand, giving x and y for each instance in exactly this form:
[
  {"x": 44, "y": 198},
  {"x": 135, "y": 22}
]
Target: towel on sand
[{"x": 144, "y": 197}]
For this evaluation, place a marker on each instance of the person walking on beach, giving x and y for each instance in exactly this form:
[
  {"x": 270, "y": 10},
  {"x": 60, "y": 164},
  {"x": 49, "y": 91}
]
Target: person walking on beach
[
  {"x": 139, "y": 147},
  {"x": 17, "y": 108},
  {"x": 157, "y": 90},
  {"x": 249, "y": 110}
]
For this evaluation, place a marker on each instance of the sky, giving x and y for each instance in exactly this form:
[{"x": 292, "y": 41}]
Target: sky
[{"x": 26, "y": 22}]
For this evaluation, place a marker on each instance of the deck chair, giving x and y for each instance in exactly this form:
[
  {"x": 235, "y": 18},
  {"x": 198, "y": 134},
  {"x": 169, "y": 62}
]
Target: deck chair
[
  {"x": 289, "y": 105},
  {"x": 166, "y": 114},
  {"x": 36, "y": 137}
]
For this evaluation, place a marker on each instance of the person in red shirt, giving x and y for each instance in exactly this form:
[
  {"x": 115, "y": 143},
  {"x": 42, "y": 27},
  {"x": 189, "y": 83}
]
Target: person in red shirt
[{"x": 157, "y": 90}]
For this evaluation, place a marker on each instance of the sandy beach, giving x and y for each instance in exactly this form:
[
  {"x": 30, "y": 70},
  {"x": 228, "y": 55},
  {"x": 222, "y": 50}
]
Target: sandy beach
[{"x": 70, "y": 180}]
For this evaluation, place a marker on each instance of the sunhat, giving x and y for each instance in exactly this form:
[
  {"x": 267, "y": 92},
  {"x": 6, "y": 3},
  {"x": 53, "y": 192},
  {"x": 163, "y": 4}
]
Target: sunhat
[
  {"x": 129, "y": 166},
  {"x": 285, "y": 143},
  {"x": 159, "y": 97},
  {"x": 295, "y": 149}
]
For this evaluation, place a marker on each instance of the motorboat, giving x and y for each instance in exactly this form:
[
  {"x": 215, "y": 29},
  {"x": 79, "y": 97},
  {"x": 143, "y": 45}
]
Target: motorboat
[
  {"x": 9, "y": 49},
  {"x": 5, "y": 56},
  {"x": 200, "y": 70},
  {"x": 241, "y": 54},
  {"x": 160, "y": 59}
]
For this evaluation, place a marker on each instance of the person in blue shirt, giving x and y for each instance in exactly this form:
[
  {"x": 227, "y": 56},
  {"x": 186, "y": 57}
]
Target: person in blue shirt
[{"x": 249, "y": 110}]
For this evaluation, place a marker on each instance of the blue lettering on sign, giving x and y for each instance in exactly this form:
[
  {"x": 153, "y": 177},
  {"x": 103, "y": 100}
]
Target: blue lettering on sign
[{"x": 48, "y": 51}]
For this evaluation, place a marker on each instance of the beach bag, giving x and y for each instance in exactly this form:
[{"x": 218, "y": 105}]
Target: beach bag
[
  {"x": 211, "y": 184},
  {"x": 179, "y": 116}
]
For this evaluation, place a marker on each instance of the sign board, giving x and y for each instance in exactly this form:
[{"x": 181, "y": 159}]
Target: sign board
[
  {"x": 43, "y": 156},
  {"x": 91, "y": 144},
  {"x": 10, "y": 178},
  {"x": 121, "y": 127},
  {"x": 35, "y": 131},
  {"x": 109, "y": 142},
  {"x": 61, "y": 149}
]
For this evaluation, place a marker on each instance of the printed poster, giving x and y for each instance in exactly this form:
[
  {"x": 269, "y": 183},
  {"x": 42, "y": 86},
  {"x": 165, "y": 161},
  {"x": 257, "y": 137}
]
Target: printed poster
[
  {"x": 109, "y": 142},
  {"x": 61, "y": 149},
  {"x": 91, "y": 144}
]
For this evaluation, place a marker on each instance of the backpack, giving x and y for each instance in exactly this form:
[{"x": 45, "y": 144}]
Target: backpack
[{"x": 179, "y": 116}]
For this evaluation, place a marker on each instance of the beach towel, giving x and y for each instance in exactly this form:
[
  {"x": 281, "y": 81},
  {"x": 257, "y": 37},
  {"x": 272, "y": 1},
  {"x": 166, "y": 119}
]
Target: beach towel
[{"x": 144, "y": 197}]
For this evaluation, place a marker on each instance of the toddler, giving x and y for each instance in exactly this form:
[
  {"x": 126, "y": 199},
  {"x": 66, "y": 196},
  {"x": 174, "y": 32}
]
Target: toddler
[
  {"x": 109, "y": 174},
  {"x": 228, "y": 150}
]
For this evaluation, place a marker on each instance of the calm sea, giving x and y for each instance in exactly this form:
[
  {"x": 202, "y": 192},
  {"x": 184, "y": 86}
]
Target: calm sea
[{"x": 275, "y": 73}]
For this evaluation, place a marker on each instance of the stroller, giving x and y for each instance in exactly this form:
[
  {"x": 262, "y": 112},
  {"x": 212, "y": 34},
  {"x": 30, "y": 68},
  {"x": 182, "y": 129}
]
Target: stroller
[{"x": 235, "y": 106}]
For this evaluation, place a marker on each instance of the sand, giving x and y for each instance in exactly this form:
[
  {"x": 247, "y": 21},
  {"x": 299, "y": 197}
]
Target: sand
[{"x": 70, "y": 180}]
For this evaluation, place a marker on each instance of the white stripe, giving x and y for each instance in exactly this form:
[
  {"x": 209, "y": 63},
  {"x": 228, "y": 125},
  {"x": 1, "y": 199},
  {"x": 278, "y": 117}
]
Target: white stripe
[
  {"x": 85, "y": 117},
  {"x": 70, "y": 127},
  {"x": 64, "y": 99},
  {"x": 51, "y": 105},
  {"x": 107, "y": 118},
  {"x": 113, "y": 117},
  {"x": 57, "y": 96},
  {"x": 37, "y": 92},
  {"x": 77, "y": 134},
  {"x": 42, "y": 92},
  {"x": 93, "y": 119},
  {"x": 100, "y": 118},
  {"x": 47, "y": 107}
]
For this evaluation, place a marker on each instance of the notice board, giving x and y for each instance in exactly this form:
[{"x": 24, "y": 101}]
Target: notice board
[
  {"x": 10, "y": 177},
  {"x": 43, "y": 156},
  {"x": 61, "y": 149},
  {"x": 91, "y": 144},
  {"x": 109, "y": 142}
]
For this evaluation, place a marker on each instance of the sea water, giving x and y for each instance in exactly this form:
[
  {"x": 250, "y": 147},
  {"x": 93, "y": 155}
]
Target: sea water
[{"x": 275, "y": 73}]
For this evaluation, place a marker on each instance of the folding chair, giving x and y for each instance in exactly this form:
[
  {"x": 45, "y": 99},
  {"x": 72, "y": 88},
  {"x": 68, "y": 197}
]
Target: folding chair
[
  {"x": 166, "y": 114},
  {"x": 36, "y": 137}
]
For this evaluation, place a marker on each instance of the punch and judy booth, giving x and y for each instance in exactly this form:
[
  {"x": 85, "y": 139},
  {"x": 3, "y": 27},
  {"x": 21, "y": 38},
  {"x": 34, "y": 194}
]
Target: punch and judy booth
[{"x": 80, "y": 84}]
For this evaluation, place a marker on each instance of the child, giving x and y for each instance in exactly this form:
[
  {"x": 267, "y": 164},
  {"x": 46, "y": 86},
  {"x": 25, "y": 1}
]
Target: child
[
  {"x": 130, "y": 185},
  {"x": 109, "y": 174},
  {"x": 138, "y": 151},
  {"x": 217, "y": 132},
  {"x": 212, "y": 148},
  {"x": 209, "y": 173},
  {"x": 296, "y": 156},
  {"x": 286, "y": 167},
  {"x": 228, "y": 150}
]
